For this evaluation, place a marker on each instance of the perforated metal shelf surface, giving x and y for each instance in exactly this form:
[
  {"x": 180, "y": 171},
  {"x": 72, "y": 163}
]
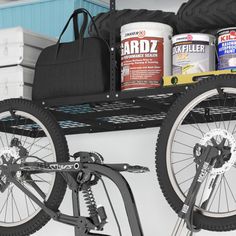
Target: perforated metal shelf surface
[
  {"x": 140, "y": 112},
  {"x": 135, "y": 113}
]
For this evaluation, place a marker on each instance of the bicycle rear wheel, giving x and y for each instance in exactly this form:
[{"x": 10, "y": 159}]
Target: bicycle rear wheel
[{"x": 29, "y": 133}]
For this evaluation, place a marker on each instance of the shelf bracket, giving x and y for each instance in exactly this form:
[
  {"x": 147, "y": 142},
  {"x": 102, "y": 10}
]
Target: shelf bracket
[{"x": 113, "y": 49}]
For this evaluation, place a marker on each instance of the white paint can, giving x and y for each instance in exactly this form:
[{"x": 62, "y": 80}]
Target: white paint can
[
  {"x": 145, "y": 54},
  {"x": 193, "y": 53}
]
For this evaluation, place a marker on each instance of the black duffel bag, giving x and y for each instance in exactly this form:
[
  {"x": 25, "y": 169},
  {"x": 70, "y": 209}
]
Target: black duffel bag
[
  {"x": 81, "y": 67},
  {"x": 122, "y": 17}
]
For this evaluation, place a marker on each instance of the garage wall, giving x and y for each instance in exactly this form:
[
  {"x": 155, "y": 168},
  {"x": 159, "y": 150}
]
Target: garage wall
[{"x": 171, "y": 5}]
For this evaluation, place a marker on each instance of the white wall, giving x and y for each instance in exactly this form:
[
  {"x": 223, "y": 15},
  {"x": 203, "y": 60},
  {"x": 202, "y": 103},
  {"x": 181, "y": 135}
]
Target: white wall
[
  {"x": 134, "y": 147},
  {"x": 171, "y": 5}
]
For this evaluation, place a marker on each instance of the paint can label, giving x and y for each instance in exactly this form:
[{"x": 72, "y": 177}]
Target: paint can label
[
  {"x": 192, "y": 53},
  {"x": 227, "y": 49},
  {"x": 141, "y": 61}
]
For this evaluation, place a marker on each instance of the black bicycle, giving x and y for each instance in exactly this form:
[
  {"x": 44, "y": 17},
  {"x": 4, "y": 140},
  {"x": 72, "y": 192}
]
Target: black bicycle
[
  {"x": 196, "y": 143},
  {"x": 35, "y": 171}
]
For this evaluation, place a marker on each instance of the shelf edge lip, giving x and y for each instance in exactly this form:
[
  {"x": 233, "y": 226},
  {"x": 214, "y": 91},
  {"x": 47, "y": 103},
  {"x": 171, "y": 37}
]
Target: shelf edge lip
[
  {"x": 150, "y": 92},
  {"x": 107, "y": 97}
]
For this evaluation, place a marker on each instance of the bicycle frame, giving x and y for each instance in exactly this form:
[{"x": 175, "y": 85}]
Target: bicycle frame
[{"x": 111, "y": 171}]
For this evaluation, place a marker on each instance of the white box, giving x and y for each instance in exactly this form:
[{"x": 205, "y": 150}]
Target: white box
[
  {"x": 21, "y": 47},
  {"x": 16, "y": 82}
]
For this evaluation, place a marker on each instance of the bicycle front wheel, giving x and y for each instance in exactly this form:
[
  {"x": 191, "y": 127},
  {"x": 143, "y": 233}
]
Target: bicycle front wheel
[{"x": 206, "y": 115}]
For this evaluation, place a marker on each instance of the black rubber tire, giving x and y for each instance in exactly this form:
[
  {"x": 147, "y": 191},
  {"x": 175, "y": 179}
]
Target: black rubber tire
[
  {"x": 196, "y": 15},
  {"x": 210, "y": 31},
  {"x": 126, "y": 16},
  {"x": 62, "y": 155},
  {"x": 201, "y": 221}
]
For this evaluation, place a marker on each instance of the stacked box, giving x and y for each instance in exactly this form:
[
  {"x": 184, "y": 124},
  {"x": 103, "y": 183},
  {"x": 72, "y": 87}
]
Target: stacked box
[
  {"x": 19, "y": 51},
  {"x": 46, "y": 17}
]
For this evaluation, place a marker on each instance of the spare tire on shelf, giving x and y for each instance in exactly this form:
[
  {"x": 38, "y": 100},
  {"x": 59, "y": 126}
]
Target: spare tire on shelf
[
  {"x": 195, "y": 15},
  {"x": 126, "y": 16},
  {"x": 210, "y": 31}
]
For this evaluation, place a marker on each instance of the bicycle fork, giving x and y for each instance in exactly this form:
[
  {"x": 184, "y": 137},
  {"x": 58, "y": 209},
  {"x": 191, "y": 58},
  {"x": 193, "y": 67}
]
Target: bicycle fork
[{"x": 185, "y": 223}]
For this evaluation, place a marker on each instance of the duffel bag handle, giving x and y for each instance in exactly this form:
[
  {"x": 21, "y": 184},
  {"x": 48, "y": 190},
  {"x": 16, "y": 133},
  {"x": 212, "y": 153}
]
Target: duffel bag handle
[
  {"x": 79, "y": 35},
  {"x": 92, "y": 20},
  {"x": 74, "y": 16}
]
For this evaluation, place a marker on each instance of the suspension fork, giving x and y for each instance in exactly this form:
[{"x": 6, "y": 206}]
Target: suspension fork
[{"x": 126, "y": 193}]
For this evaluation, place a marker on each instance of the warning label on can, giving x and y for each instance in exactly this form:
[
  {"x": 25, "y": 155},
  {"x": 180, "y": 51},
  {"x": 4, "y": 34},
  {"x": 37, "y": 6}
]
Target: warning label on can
[{"x": 141, "y": 62}]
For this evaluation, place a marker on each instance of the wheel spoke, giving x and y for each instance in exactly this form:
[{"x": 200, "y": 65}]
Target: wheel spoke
[
  {"x": 226, "y": 181},
  {"x": 183, "y": 144},
  {"x": 27, "y": 207},
  {"x": 17, "y": 209},
  {"x": 204, "y": 188},
  {"x": 214, "y": 196},
  {"x": 33, "y": 143},
  {"x": 4, "y": 204},
  {"x": 187, "y": 159},
  {"x": 183, "y": 153},
  {"x": 12, "y": 209},
  {"x": 32, "y": 154},
  {"x": 2, "y": 141},
  {"x": 184, "y": 168},
  {"x": 196, "y": 123},
  {"x": 30, "y": 200},
  {"x": 5, "y": 217},
  {"x": 197, "y": 137},
  {"x": 231, "y": 115},
  {"x": 221, "y": 112},
  {"x": 219, "y": 201},
  {"x": 226, "y": 195},
  {"x": 187, "y": 180},
  {"x": 213, "y": 116}
]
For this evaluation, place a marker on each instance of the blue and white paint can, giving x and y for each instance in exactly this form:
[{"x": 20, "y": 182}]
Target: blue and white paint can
[{"x": 227, "y": 49}]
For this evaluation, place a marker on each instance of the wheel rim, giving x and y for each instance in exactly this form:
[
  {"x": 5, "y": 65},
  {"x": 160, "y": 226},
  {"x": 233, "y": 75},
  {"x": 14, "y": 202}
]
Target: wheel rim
[
  {"x": 15, "y": 207},
  {"x": 180, "y": 152}
]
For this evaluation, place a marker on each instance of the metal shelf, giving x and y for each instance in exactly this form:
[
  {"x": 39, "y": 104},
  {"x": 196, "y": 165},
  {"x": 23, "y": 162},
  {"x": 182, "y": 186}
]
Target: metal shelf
[
  {"x": 123, "y": 114},
  {"x": 134, "y": 113}
]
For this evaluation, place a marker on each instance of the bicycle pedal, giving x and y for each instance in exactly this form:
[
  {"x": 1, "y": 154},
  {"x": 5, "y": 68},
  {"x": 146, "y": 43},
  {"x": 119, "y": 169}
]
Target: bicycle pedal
[{"x": 137, "y": 169}]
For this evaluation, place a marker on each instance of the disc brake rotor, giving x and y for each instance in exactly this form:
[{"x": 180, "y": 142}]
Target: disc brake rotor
[{"x": 229, "y": 138}]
